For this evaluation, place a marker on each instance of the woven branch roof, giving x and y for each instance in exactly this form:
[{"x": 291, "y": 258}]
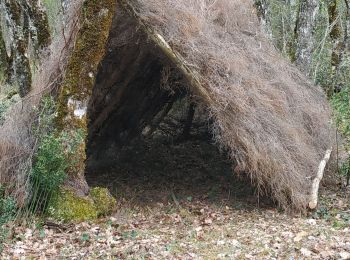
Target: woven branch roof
[{"x": 272, "y": 120}]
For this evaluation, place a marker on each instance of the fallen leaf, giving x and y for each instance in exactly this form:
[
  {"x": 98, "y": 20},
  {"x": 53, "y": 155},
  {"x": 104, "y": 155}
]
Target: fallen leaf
[
  {"x": 305, "y": 252},
  {"x": 299, "y": 236}
]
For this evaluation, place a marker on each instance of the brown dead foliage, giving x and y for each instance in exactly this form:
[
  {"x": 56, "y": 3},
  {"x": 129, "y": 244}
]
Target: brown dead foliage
[{"x": 273, "y": 121}]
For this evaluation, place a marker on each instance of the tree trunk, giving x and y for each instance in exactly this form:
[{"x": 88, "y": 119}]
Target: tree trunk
[
  {"x": 3, "y": 57},
  {"x": 338, "y": 47},
  {"x": 347, "y": 26},
  {"x": 308, "y": 10},
  {"x": 263, "y": 14},
  {"x": 289, "y": 23}
]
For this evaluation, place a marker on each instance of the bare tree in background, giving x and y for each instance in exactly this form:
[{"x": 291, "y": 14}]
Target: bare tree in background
[
  {"x": 308, "y": 10},
  {"x": 338, "y": 44},
  {"x": 347, "y": 26},
  {"x": 262, "y": 8},
  {"x": 288, "y": 22}
]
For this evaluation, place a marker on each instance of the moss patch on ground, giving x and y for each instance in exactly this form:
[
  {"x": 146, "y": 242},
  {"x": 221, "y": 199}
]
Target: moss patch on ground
[
  {"x": 105, "y": 203},
  {"x": 72, "y": 208},
  {"x": 69, "y": 207}
]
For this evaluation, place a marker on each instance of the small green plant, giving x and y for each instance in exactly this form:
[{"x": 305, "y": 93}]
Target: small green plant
[
  {"x": 52, "y": 160},
  {"x": 133, "y": 234},
  {"x": 8, "y": 212},
  {"x": 85, "y": 237},
  {"x": 322, "y": 213},
  {"x": 48, "y": 172},
  {"x": 7, "y": 207},
  {"x": 130, "y": 235},
  {"x": 53, "y": 156}
]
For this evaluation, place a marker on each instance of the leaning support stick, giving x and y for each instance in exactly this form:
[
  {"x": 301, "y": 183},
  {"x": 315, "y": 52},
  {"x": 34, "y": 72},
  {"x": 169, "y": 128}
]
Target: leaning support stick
[
  {"x": 191, "y": 76},
  {"x": 316, "y": 182}
]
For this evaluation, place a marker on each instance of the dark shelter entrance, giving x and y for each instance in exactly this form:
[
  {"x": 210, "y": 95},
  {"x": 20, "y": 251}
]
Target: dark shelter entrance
[{"x": 149, "y": 137}]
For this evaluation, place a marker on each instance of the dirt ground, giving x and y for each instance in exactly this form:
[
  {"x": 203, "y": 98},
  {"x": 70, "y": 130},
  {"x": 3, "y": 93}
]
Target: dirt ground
[{"x": 183, "y": 202}]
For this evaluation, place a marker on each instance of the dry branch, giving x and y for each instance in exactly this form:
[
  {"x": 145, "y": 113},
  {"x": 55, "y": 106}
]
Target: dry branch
[{"x": 317, "y": 180}]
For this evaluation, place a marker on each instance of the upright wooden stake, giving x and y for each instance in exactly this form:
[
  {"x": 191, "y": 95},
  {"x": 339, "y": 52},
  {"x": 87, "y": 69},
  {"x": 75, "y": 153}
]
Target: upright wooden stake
[{"x": 316, "y": 182}]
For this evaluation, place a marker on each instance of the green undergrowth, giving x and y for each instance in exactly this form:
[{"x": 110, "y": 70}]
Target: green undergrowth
[
  {"x": 341, "y": 105},
  {"x": 7, "y": 207},
  {"x": 8, "y": 211},
  {"x": 59, "y": 137},
  {"x": 52, "y": 160}
]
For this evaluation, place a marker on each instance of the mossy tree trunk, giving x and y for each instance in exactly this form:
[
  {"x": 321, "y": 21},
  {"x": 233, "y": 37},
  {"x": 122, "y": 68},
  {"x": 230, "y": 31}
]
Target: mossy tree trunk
[{"x": 79, "y": 79}]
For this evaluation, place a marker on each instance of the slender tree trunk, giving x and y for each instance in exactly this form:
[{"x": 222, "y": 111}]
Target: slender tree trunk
[
  {"x": 289, "y": 23},
  {"x": 347, "y": 51},
  {"x": 3, "y": 58},
  {"x": 347, "y": 26},
  {"x": 308, "y": 10},
  {"x": 338, "y": 44},
  {"x": 263, "y": 14}
]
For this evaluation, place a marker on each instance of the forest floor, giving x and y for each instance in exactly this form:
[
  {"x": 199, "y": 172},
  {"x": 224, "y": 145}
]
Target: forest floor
[{"x": 190, "y": 213}]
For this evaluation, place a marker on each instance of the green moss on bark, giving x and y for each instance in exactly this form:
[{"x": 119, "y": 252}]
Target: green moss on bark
[
  {"x": 89, "y": 50},
  {"x": 41, "y": 23},
  {"x": 15, "y": 10},
  {"x": 23, "y": 70},
  {"x": 79, "y": 79},
  {"x": 3, "y": 58}
]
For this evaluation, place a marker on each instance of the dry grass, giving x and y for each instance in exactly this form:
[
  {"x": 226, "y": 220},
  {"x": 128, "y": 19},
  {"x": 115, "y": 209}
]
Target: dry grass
[
  {"x": 274, "y": 122},
  {"x": 17, "y": 138}
]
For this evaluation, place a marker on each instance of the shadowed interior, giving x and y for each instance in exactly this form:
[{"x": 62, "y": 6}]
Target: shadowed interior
[{"x": 147, "y": 130}]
